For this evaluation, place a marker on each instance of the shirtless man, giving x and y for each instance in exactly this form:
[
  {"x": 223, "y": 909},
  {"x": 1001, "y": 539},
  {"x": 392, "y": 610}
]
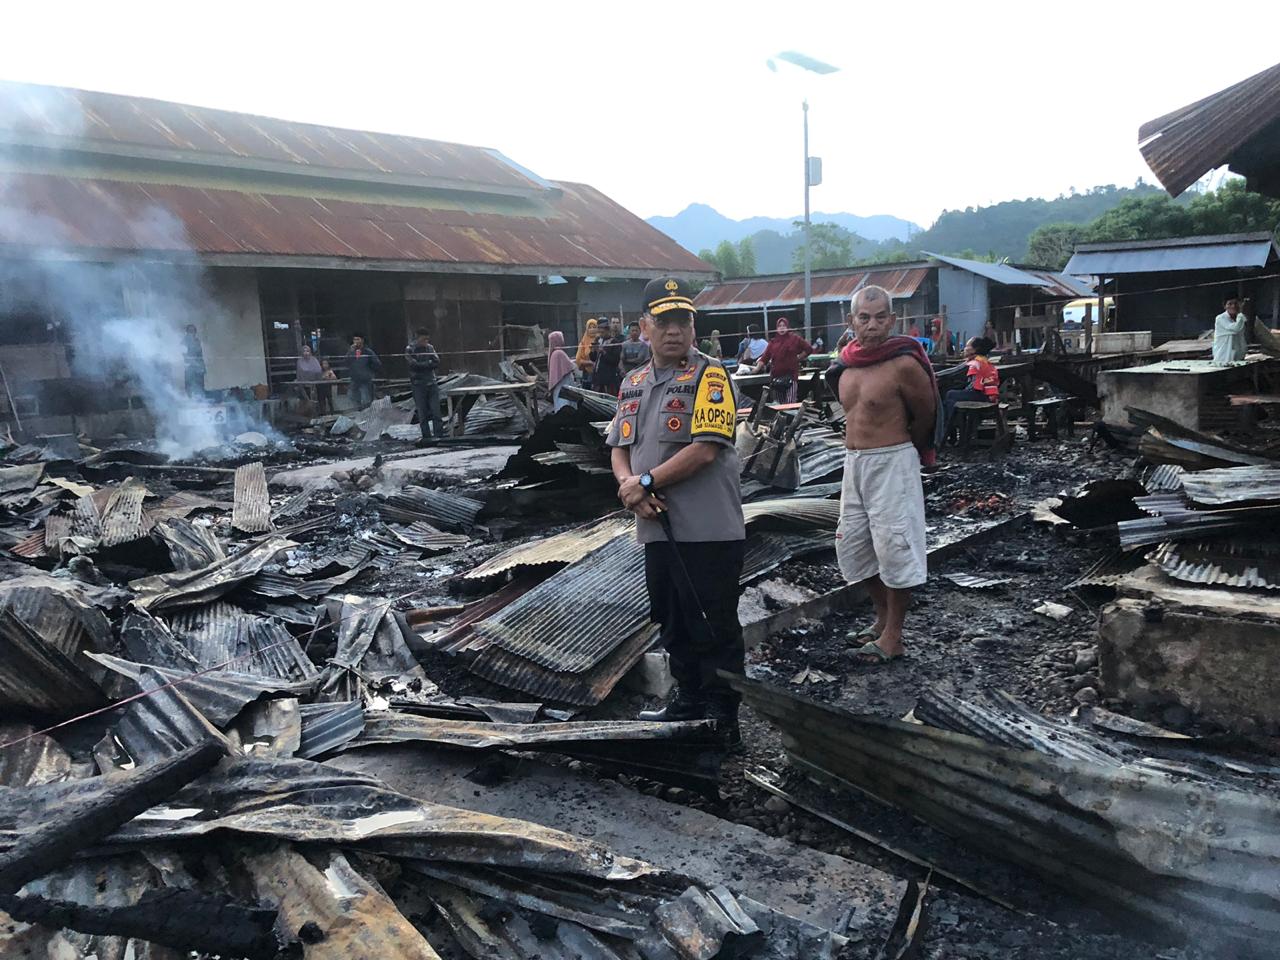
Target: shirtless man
[{"x": 886, "y": 387}]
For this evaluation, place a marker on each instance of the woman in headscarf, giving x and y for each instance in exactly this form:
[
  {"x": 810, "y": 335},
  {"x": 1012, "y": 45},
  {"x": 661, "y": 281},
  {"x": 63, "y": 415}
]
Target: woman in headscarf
[
  {"x": 308, "y": 372},
  {"x": 716, "y": 350},
  {"x": 583, "y": 357},
  {"x": 559, "y": 370}
]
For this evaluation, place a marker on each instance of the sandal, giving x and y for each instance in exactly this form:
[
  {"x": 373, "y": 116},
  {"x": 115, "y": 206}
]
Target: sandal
[
  {"x": 870, "y": 633},
  {"x": 871, "y": 649}
]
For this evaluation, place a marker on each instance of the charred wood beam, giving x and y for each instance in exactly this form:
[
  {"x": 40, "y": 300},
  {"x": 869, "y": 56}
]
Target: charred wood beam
[
  {"x": 182, "y": 919},
  {"x": 84, "y": 824}
]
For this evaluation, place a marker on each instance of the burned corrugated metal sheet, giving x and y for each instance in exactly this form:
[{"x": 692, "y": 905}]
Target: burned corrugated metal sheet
[
  {"x": 305, "y": 801},
  {"x": 511, "y": 937},
  {"x": 788, "y": 290},
  {"x": 191, "y": 546},
  {"x": 218, "y": 694},
  {"x": 32, "y": 546},
  {"x": 28, "y": 758},
  {"x": 64, "y": 612},
  {"x": 324, "y": 892},
  {"x": 57, "y": 527},
  {"x": 389, "y": 726},
  {"x": 327, "y": 726},
  {"x": 300, "y": 500},
  {"x": 268, "y": 584},
  {"x": 162, "y": 723},
  {"x": 191, "y": 587},
  {"x": 121, "y": 520},
  {"x": 584, "y": 689},
  {"x": 1244, "y": 562},
  {"x": 1114, "y": 829},
  {"x": 35, "y": 676},
  {"x": 447, "y": 510},
  {"x": 1109, "y": 569},
  {"x": 369, "y": 645},
  {"x": 571, "y": 621},
  {"x": 1192, "y": 524},
  {"x": 13, "y": 479},
  {"x": 426, "y": 537},
  {"x": 563, "y": 548},
  {"x": 251, "y": 511},
  {"x": 176, "y": 505},
  {"x": 1182, "y": 146},
  {"x": 221, "y": 633},
  {"x": 1232, "y": 485},
  {"x": 1165, "y": 478},
  {"x": 601, "y": 406}
]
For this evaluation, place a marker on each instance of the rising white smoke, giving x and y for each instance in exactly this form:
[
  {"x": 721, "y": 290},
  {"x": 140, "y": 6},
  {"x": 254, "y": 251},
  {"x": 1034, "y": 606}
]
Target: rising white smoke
[{"x": 123, "y": 320}]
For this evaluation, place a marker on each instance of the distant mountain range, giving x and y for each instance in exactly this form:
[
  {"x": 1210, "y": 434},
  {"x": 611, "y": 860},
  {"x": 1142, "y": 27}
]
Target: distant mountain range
[{"x": 698, "y": 226}]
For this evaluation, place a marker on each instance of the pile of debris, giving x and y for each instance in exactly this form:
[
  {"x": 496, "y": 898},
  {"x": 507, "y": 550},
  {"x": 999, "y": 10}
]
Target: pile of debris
[{"x": 187, "y": 653}]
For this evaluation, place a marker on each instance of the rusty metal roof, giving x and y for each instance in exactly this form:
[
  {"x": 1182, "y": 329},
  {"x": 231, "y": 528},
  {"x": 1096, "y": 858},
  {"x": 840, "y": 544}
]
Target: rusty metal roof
[
  {"x": 1239, "y": 126},
  {"x": 106, "y": 174},
  {"x": 575, "y": 231},
  {"x": 788, "y": 290},
  {"x": 139, "y": 127}
]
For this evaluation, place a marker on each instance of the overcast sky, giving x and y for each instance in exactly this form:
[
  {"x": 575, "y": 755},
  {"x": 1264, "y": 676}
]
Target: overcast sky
[{"x": 936, "y": 105}]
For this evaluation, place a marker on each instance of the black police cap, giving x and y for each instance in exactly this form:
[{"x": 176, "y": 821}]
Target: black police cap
[{"x": 667, "y": 293}]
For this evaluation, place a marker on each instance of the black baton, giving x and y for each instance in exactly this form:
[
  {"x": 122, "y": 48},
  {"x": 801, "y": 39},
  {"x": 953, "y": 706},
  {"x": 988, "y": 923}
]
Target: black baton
[{"x": 684, "y": 580}]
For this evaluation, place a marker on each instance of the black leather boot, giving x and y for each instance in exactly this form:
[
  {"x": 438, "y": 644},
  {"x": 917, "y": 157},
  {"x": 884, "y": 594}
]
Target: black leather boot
[
  {"x": 682, "y": 706},
  {"x": 724, "y": 711}
]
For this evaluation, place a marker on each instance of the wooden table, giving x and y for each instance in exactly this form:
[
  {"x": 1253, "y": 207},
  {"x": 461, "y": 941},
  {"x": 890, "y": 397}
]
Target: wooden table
[{"x": 460, "y": 400}]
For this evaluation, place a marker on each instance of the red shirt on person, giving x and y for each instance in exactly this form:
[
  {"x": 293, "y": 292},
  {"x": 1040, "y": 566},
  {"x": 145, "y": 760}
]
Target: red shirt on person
[
  {"x": 984, "y": 378},
  {"x": 784, "y": 353}
]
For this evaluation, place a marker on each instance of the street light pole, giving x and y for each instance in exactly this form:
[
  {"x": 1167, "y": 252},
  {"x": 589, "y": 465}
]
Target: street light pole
[{"x": 808, "y": 291}]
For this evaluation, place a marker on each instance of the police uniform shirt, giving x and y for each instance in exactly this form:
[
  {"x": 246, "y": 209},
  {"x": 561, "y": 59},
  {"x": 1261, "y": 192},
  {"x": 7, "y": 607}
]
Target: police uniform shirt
[{"x": 660, "y": 412}]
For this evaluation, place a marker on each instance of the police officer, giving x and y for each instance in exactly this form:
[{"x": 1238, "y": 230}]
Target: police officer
[{"x": 673, "y": 453}]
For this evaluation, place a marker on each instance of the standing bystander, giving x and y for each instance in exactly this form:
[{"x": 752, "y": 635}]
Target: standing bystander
[
  {"x": 783, "y": 357},
  {"x": 362, "y": 366},
  {"x": 886, "y": 386},
  {"x": 423, "y": 363}
]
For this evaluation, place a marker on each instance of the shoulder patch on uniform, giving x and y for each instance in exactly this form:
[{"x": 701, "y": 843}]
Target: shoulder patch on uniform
[{"x": 714, "y": 411}]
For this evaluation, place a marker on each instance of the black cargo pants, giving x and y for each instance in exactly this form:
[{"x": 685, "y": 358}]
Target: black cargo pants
[{"x": 715, "y": 569}]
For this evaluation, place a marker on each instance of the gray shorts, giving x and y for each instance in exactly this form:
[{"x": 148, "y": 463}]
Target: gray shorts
[{"x": 881, "y": 527}]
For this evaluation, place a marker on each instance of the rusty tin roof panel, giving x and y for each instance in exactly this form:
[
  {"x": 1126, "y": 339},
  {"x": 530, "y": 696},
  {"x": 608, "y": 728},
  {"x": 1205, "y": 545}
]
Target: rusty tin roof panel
[
  {"x": 575, "y": 230},
  {"x": 137, "y": 125},
  {"x": 1182, "y": 146}
]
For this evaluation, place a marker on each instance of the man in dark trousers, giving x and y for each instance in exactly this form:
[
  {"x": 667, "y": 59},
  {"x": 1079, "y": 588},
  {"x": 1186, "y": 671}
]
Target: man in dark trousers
[
  {"x": 607, "y": 376},
  {"x": 423, "y": 361},
  {"x": 673, "y": 454},
  {"x": 362, "y": 366}
]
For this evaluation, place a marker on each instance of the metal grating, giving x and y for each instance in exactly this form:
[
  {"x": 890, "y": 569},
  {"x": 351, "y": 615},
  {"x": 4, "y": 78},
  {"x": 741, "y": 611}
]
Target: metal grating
[{"x": 251, "y": 511}]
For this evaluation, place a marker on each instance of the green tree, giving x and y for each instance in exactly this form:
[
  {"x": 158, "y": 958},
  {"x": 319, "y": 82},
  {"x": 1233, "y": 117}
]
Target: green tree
[
  {"x": 1154, "y": 217},
  {"x": 832, "y": 247},
  {"x": 1052, "y": 244},
  {"x": 747, "y": 257},
  {"x": 1233, "y": 209}
]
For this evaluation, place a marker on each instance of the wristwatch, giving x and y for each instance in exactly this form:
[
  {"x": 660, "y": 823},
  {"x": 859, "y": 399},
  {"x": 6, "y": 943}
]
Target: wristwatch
[{"x": 646, "y": 481}]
